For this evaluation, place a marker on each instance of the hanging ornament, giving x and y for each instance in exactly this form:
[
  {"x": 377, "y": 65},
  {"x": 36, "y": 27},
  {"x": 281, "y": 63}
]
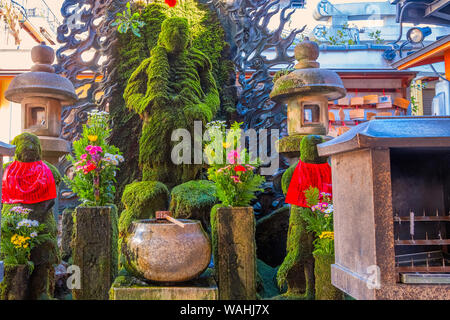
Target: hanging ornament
[{"x": 171, "y": 3}]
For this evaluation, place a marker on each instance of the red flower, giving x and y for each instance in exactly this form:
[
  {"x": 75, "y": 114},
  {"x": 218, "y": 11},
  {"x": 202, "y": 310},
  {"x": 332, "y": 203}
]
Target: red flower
[
  {"x": 240, "y": 168},
  {"x": 171, "y": 3},
  {"x": 89, "y": 168}
]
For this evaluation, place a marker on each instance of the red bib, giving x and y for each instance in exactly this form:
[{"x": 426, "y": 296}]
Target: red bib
[
  {"x": 28, "y": 183},
  {"x": 308, "y": 175}
]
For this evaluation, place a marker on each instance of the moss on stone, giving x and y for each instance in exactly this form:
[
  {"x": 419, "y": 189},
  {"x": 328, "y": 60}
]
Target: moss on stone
[
  {"x": 308, "y": 149},
  {"x": 171, "y": 89},
  {"x": 322, "y": 271},
  {"x": 114, "y": 242},
  {"x": 141, "y": 201},
  {"x": 286, "y": 178},
  {"x": 290, "y": 143},
  {"x": 56, "y": 174},
  {"x": 214, "y": 248},
  {"x": 299, "y": 253},
  {"x": 194, "y": 200},
  {"x": 15, "y": 282},
  {"x": 28, "y": 147}
]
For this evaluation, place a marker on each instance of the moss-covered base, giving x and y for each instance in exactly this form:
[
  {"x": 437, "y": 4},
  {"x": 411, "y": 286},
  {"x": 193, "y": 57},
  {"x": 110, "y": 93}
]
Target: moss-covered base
[
  {"x": 324, "y": 289},
  {"x": 194, "y": 200},
  {"x": 297, "y": 270}
]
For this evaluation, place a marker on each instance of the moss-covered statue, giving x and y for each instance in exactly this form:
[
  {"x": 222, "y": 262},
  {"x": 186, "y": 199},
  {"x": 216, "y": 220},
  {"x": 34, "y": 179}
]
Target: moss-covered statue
[
  {"x": 31, "y": 183},
  {"x": 170, "y": 90},
  {"x": 297, "y": 270}
]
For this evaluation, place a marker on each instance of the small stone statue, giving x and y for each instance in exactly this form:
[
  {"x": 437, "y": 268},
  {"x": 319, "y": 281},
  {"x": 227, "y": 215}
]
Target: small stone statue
[
  {"x": 297, "y": 269},
  {"x": 30, "y": 182}
]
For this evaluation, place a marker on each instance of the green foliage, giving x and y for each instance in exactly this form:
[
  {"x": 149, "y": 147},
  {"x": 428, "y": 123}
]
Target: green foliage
[
  {"x": 128, "y": 21},
  {"x": 28, "y": 147},
  {"x": 20, "y": 235},
  {"x": 342, "y": 36},
  {"x": 319, "y": 220},
  {"x": 95, "y": 162},
  {"x": 235, "y": 179},
  {"x": 376, "y": 36},
  {"x": 308, "y": 150}
]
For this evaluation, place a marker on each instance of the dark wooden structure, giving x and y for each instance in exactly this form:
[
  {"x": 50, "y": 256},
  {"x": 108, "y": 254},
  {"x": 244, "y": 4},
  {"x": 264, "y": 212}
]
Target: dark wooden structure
[{"x": 391, "y": 190}]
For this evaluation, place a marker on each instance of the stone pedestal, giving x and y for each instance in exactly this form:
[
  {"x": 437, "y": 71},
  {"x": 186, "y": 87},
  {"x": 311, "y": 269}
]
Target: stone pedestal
[
  {"x": 236, "y": 261},
  {"x": 66, "y": 234},
  {"x": 200, "y": 289},
  {"x": 95, "y": 251}
]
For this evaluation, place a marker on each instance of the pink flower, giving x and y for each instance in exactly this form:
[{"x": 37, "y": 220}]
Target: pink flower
[
  {"x": 83, "y": 156},
  {"x": 232, "y": 156},
  {"x": 236, "y": 179}
]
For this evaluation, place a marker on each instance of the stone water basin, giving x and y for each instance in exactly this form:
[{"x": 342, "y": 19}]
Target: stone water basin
[{"x": 161, "y": 251}]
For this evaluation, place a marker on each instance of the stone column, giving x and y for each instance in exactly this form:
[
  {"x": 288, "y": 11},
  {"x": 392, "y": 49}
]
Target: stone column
[
  {"x": 236, "y": 261},
  {"x": 95, "y": 251}
]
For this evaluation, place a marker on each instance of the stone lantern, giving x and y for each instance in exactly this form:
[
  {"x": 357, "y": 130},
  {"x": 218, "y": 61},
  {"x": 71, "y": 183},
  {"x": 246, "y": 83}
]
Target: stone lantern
[
  {"x": 42, "y": 93},
  {"x": 306, "y": 91}
]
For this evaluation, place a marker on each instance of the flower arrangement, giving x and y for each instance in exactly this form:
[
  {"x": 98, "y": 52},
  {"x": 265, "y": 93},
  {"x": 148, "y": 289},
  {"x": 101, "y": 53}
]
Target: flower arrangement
[
  {"x": 320, "y": 220},
  {"x": 231, "y": 167},
  {"x": 20, "y": 235},
  {"x": 95, "y": 162}
]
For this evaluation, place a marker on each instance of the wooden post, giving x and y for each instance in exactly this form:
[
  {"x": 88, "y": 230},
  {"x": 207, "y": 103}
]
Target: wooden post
[
  {"x": 236, "y": 261},
  {"x": 93, "y": 246},
  {"x": 5, "y": 150}
]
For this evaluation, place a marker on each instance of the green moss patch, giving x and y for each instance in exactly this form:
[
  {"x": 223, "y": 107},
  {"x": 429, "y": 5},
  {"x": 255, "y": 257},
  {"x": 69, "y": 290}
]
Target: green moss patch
[
  {"x": 194, "y": 200},
  {"x": 308, "y": 149}
]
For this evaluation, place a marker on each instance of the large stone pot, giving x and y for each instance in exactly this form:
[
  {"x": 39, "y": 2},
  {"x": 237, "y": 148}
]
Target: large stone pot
[{"x": 165, "y": 252}]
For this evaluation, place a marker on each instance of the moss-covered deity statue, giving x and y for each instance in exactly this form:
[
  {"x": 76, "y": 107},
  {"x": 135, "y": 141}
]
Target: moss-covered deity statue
[
  {"x": 30, "y": 183},
  {"x": 297, "y": 269},
  {"x": 170, "y": 90}
]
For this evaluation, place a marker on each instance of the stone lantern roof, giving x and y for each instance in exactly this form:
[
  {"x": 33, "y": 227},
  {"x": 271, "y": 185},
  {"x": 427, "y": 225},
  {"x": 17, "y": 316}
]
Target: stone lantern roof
[
  {"x": 42, "y": 80},
  {"x": 308, "y": 79}
]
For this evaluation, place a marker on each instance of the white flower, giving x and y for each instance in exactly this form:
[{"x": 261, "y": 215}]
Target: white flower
[{"x": 33, "y": 234}]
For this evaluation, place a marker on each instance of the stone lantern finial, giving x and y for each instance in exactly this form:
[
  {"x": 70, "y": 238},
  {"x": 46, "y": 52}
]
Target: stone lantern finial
[{"x": 306, "y": 53}]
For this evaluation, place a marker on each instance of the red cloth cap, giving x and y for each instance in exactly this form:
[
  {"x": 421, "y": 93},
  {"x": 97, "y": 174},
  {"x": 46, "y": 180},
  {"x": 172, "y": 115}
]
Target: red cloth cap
[
  {"x": 28, "y": 183},
  {"x": 308, "y": 175}
]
